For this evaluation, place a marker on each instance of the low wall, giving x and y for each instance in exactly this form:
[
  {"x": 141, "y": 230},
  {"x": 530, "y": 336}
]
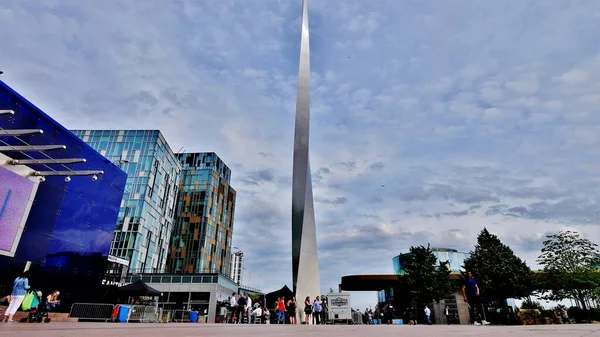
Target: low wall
[{"x": 55, "y": 316}]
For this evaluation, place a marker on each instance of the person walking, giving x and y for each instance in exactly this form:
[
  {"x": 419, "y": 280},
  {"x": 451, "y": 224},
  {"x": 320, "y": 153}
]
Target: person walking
[
  {"x": 317, "y": 309},
  {"x": 470, "y": 291},
  {"x": 20, "y": 287},
  {"x": 565, "y": 316},
  {"x": 428, "y": 315},
  {"x": 241, "y": 308},
  {"x": 281, "y": 310},
  {"x": 291, "y": 309},
  {"x": 233, "y": 308},
  {"x": 307, "y": 310},
  {"x": 248, "y": 307}
]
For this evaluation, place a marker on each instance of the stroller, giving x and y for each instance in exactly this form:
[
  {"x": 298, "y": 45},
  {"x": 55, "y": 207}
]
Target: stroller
[{"x": 38, "y": 310}]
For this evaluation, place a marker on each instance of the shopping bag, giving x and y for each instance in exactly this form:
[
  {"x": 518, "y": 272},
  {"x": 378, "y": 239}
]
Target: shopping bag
[
  {"x": 35, "y": 302},
  {"x": 26, "y": 305}
]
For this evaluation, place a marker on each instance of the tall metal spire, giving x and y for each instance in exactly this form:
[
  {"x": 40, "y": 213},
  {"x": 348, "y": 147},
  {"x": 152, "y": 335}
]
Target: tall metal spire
[{"x": 305, "y": 262}]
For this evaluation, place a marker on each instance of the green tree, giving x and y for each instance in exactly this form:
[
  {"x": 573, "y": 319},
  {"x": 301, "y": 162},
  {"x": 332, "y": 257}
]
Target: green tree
[
  {"x": 499, "y": 272},
  {"x": 570, "y": 267},
  {"x": 425, "y": 279}
]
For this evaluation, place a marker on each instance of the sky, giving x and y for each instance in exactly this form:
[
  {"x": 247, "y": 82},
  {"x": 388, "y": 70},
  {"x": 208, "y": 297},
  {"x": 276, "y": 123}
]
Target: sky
[{"x": 429, "y": 119}]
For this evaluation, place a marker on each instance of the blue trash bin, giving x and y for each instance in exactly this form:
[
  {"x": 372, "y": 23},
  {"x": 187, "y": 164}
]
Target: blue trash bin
[
  {"x": 193, "y": 317},
  {"x": 123, "y": 313}
]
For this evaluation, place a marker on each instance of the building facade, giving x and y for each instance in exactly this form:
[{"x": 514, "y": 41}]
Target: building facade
[
  {"x": 203, "y": 292},
  {"x": 143, "y": 229},
  {"x": 59, "y": 202},
  {"x": 201, "y": 240},
  {"x": 237, "y": 267}
]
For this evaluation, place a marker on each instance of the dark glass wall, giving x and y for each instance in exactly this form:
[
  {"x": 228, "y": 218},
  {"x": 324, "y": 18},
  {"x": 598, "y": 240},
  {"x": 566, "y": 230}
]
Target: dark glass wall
[{"x": 70, "y": 227}]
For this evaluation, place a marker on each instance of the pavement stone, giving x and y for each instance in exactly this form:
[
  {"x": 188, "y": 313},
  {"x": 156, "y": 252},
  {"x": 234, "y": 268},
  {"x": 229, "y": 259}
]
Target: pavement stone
[{"x": 225, "y": 330}]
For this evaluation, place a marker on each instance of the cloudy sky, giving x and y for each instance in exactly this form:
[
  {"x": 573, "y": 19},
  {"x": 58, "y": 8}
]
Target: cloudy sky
[{"x": 430, "y": 119}]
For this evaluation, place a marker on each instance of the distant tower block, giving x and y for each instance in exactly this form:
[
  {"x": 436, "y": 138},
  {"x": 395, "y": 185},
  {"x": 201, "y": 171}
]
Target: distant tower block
[{"x": 305, "y": 263}]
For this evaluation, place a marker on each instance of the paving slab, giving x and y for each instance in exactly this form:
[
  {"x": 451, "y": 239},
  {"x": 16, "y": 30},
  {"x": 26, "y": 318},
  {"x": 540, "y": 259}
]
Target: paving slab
[{"x": 225, "y": 330}]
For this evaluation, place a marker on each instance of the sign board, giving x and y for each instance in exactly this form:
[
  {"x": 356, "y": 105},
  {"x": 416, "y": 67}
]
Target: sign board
[
  {"x": 118, "y": 260},
  {"x": 338, "y": 302},
  {"x": 16, "y": 197},
  {"x": 339, "y": 306}
]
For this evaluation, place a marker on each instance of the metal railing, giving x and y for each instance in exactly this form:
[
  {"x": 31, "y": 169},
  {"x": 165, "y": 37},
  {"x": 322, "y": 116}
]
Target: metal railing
[
  {"x": 106, "y": 312},
  {"x": 180, "y": 316},
  {"x": 143, "y": 314},
  {"x": 92, "y": 311}
]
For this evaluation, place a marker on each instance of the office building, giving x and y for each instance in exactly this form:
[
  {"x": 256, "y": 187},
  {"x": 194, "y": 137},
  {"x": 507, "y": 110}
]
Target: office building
[
  {"x": 237, "y": 267},
  {"x": 59, "y": 202},
  {"x": 201, "y": 241},
  {"x": 143, "y": 229}
]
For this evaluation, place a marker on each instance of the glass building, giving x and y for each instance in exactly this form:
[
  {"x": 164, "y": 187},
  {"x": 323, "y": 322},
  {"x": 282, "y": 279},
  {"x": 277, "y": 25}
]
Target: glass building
[
  {"x": 59, "y": 202},
  {"x": 143, "y": 229},
  {"x": 201, "y": 241},
  {"x": 455, "y": 258}
]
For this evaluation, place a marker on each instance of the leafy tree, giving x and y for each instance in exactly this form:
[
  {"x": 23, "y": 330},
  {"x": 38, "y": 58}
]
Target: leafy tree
[
  {"x": 499, "y": 272},
  {"x": 570, "y": 267},
  {"x": 256, "y": 297},
  {"x": 426, "y": 279}
]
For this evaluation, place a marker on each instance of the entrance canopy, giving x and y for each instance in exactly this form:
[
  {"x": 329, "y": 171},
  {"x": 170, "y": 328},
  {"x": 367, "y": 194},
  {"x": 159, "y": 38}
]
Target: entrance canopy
[
  {"x": 139, "y": 288},
  {"x": 375, "y": 282}
]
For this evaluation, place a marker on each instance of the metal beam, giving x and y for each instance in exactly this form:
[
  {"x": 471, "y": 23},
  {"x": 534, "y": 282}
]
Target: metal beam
[
  {"x": 23, "y": 132},
  {"x": 7, "y": 112},
  {"x": 66, "y": 173},
  {"x": 47, "y": 161},
  {"x": 31, "y": 148}
]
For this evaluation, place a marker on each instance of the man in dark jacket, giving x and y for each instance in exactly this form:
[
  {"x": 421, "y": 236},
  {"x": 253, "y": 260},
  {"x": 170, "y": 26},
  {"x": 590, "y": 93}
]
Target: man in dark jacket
[
  {"x": 470, "y": 291},
  {"x": 241, "y": 308}
]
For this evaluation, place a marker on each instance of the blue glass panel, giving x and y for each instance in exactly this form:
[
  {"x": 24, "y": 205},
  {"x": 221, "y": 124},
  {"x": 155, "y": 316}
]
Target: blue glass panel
[{"x": 70, "y": 226}]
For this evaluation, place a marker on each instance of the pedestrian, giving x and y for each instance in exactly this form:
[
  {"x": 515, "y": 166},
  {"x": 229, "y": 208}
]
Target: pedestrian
[
  {"x": 241, "y": 308},
  {"x": 233, "y": 308},
  {"x": 291, "y": 309},
  {"x": 428, "y": 315},
  {"x": 20, "y": 287},
  {"x": 317, "y": 309},
  {"x": 447, "y": 313},
  {"x": 470, "y": 291},
  {"x": 565, "y": 316}
]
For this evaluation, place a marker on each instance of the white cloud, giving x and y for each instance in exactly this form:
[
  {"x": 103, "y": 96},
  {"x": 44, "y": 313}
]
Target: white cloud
[
  {"x": 574, "y": 77},
  {"x": 476, "y": 115}
]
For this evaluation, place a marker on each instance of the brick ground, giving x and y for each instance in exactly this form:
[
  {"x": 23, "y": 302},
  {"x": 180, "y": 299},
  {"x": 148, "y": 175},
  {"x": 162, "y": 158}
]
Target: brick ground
[{"x": 222, "y": 330}]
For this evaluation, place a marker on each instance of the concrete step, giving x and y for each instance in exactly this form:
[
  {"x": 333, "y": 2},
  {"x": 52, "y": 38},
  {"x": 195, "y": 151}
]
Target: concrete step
[{"x": 55, "y": 316}]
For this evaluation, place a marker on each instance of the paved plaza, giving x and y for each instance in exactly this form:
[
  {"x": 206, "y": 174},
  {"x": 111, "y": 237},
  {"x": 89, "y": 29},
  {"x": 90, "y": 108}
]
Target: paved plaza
[{"x": 222, "y": 330}]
